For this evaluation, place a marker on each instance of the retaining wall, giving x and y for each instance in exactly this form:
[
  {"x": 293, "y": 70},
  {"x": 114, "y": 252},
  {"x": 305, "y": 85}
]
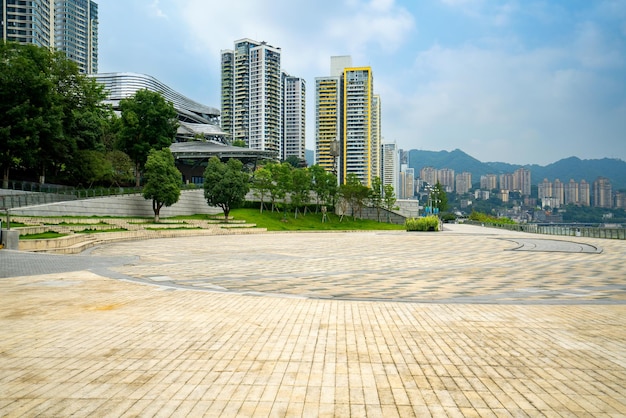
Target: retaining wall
[{"x": 191, "y": 202}]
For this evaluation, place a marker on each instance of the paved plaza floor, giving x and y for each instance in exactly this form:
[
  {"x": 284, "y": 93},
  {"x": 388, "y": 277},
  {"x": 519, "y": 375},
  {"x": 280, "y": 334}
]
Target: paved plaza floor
[{"x": 467, "y": 322}]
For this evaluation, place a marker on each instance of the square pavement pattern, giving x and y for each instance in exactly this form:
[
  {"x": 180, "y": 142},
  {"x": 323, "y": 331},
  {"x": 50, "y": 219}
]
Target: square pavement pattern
[{"x": 466, "y": 322}]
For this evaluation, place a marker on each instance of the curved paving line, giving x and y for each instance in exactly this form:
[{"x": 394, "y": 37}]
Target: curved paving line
[{"x": 552, "y": 245}]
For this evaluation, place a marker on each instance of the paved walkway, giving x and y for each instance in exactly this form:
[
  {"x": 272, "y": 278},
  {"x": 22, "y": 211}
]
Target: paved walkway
[{"x": 466, "y": 322}]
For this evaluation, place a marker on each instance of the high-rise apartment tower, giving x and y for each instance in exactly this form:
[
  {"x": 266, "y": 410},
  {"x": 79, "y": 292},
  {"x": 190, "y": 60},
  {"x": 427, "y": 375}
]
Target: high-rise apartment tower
[
  {"x": 356, "y": 143},
  {"x": 70, "y": 26},
  {"x": 293, "y": 117},
  {"x": 348, "y": 111},
  {"x": 252, "y": 94},
  {"x": 390, "y": 165}
]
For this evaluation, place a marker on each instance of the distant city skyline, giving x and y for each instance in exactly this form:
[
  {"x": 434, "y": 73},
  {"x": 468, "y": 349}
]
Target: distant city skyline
[{"x": 522, "y": 83}]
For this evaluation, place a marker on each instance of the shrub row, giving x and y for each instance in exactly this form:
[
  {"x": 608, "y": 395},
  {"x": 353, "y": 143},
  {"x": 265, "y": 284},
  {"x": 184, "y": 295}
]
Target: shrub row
[{"x": 427, "y": 223}]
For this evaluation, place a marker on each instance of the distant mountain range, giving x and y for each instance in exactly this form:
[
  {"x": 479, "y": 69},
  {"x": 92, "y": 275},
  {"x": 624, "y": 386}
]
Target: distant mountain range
[{"x": 564, "y": 170}]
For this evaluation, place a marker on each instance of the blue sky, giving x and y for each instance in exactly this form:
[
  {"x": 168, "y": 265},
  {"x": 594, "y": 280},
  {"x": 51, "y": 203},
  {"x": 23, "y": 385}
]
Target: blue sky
[{"x": 517, "y": 81}]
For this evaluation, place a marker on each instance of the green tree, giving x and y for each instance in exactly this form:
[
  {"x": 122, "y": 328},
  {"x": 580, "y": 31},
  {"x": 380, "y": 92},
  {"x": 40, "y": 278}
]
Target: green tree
[
  {"x": 281, "y": 183},
  {"x": 295, "y": 162},
  {"x": 225, "y": 184},
  {"x": 300, "y": 189},
  {"x": 121, "y": 168},
  {"x": 355, "y": 193},
  {"x": 324, "y": 184},
  {"x": 91, "y": 167},
  {"x": 389, "y": 199},
  {"x": 147, "y": 122},
  {"x": 262, "y": 183},
  {"x": 163, "y": 180},
  {"x": 239, "y": 143},
  {"x": 83, "y": 116},
  {"x": 48, "y": 110},
  {"x": 28, "y": 107},
  {"x": 376, "y": 195}
]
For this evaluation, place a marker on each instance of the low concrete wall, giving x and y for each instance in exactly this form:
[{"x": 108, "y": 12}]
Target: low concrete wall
[
  {"x": 191, "y": 202},
  {"x": 408, "y": 208},
  {"x": 372, "y": 214},
  {"x": 10, "y": 239}
]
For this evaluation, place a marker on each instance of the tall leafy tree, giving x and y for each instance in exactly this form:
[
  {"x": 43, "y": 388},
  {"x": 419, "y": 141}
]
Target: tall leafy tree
[
  {"x": 48, "y": 110},
  {"x": 148, "y": 122},
  {"x": 324, "y": 184},
  {"x": 225, "y": 184},
  {"x": 86, "y": 120},
  {"x": 300, "y": 189},
  {"x": 121, "y": 167},
  {"x": 163, "y": 180},
  {"x": 389, "y": 199},
  {"x": 354, "y": 192},
  {"x": 262, "y": 183},
  {"x": 28, "y": 107},
  {"x": 376, "y": 195},
  {"x": 280, "y": 184}
]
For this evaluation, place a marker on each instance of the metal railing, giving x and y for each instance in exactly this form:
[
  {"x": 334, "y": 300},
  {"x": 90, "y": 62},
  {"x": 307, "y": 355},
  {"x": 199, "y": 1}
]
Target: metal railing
[
  {"x": 564, "y": 230},
  {"x": 20, "y": 194}
]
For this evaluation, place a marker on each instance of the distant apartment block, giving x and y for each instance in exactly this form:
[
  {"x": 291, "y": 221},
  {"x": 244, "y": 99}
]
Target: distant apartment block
[
  {"x": 584, "y": 193},
  {"x": 489, "y": 182},
  {"x": 294, "y": 117},
  {"x": 506, "y": 181},
  {"x": 556, "y": 194},
  {"x": 390, "y": 165},
  {"x": 522, "y": 181},
  {"x": 429, "y": 175},
  {"x": 463, "y": 182},
  {"x": 445, "y": 177},
  {"x": 545, "y": 193},
  {"x": 571, "y": 193},
  {"x": 70, "y": 26},
  {"x": 407, "y": 182},
  {"x": 602, "y": 193},
  {"x": 376, "y": 139}
]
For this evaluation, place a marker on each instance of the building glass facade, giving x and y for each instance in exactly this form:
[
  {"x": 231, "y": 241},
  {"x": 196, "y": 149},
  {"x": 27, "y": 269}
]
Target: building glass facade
[
  {"x": 327, "y": 120},
  {"x": 294, "y": 117},
  {"x": 70, "y": 26},
  {"x": 357, "y": 124}
]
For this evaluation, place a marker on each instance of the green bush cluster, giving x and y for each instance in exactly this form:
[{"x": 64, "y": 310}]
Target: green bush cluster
[
  {"x": 427, "y": 223},
  {"x": 488, "y": 219}
]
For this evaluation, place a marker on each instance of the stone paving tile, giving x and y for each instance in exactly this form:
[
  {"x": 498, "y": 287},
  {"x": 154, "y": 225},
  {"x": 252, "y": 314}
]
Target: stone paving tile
[
  {"x": 92, "y": 346},
  {"x": 446, "y": 267}
]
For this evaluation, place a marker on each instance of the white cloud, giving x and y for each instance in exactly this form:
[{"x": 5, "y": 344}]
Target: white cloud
[
  {"x": 156, "y": 10},
  {"x": 492, "y": 13},
  {"x": 516, "y": 107},
  {"x": 308, "y": 33}
]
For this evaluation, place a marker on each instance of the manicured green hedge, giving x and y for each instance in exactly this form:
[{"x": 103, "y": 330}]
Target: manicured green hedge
[{"x": 427, "y": 223}]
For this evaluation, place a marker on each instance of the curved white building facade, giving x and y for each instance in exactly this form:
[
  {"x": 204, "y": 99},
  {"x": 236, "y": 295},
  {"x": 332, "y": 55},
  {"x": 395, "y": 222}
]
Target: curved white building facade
[{"x": 119, "y": 86}]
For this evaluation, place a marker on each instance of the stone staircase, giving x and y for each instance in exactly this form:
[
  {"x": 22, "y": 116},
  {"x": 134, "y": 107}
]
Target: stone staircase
[{"x": 77, "y": 240}]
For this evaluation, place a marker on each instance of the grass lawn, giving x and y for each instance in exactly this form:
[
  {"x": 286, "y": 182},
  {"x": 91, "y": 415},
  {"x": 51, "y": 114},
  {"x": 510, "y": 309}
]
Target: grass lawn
[
  {"x": 274, "y": 221},
  {"x": 43, "y": 235}
]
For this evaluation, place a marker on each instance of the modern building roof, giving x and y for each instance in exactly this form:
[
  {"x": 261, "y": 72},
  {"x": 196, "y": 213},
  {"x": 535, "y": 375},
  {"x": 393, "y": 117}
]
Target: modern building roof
[
  {"x": 207, "y": 149},
  {"x": 119, "y": 86}
]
